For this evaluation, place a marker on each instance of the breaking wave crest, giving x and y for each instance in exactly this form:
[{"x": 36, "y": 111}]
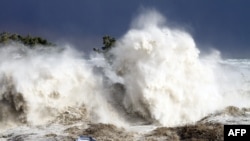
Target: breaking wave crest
[
  {"x": 153, "y": 75},
  {"x": 165, "y": 79},
  {"x": 37, "y": 84}
]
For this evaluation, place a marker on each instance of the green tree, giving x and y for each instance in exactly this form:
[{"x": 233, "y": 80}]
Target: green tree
[
  {"x": 27, "y": 40},
  {"x": 108, "y": 43}
]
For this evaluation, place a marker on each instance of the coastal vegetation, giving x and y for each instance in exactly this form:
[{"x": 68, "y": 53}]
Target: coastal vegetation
[
  {"x": 108, "y": 43},
  {"x": 27, "y": 40}
]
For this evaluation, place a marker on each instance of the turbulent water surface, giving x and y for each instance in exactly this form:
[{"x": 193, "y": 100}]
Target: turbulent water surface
[{"x": 151, "y": 84}]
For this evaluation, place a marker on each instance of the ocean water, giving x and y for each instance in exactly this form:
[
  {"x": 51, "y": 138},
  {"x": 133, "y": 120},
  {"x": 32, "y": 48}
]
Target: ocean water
[{"x": 153, "y": 77}]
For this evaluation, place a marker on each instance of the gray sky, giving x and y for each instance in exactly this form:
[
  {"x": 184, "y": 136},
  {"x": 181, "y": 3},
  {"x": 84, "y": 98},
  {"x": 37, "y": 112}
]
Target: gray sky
[{"x": 222, "y": 24}]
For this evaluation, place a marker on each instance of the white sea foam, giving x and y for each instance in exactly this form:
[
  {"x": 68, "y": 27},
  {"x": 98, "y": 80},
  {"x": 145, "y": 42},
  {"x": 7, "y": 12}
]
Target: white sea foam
[
  {"x": 38, "y": 84},
  {"x": 165, "y": 79},
  {"x": 153, "y": 75}
]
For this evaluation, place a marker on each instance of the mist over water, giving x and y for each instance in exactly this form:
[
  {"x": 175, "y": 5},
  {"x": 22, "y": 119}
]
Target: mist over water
[{"x": 153, "y": 75}]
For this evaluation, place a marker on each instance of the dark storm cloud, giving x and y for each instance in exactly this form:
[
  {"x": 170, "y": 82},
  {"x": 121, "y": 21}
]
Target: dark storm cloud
[{"x": 221, "y": 24}]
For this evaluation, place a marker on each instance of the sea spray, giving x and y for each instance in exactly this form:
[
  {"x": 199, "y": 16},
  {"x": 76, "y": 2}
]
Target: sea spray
[
  {"x": 37, "y": 84},
  {"x": 153, "y": 75},
  {"x": 165, "y": 80}
]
